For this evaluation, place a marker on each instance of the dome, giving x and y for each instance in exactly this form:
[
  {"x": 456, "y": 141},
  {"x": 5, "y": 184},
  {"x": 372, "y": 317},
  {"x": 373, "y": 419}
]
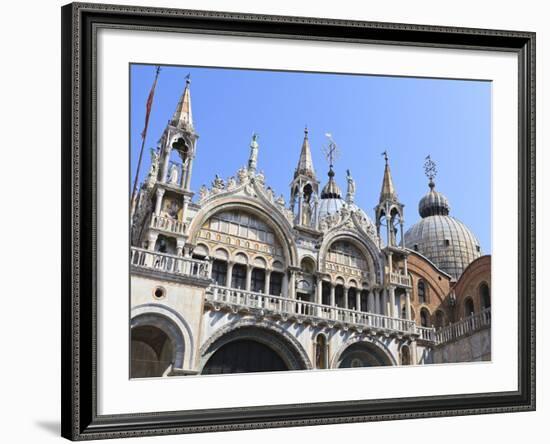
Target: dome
[
  {"x": 433, "y": 203},
  {"x": 330, "y": 206},
  {"x": 444, "y": 240}
]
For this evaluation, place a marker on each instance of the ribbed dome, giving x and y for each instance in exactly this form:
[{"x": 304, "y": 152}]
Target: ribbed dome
[
  {"x": 446, "y": 241},
  {"x": 331, "y": 190},
  {"x": 329, "y": 206},
  {"x": 433, "y": 203}
]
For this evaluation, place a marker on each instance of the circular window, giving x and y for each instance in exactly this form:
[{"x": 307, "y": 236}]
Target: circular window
[{"x": 159, "y": 292}]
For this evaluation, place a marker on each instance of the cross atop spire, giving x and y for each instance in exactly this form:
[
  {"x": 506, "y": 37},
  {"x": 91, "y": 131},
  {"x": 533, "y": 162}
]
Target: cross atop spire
[
  {"x": 388, "y": 190},
  {"x": 183, "y": 116},
  {"x": 430, "y": 169},
  {"x": 305, "y": 162}
]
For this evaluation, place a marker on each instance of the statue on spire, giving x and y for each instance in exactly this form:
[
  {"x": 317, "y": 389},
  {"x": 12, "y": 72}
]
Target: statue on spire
[
  {"x": 253, "y": 159},
  {"x": 350, "y": 196}
]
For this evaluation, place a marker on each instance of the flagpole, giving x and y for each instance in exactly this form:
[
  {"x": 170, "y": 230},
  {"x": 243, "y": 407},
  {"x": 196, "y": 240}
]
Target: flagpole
[{"x": 143, "y": 138}]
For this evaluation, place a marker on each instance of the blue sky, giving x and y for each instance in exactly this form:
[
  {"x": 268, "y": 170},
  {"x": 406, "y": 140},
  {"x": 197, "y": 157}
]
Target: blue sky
[{"x": 408, "y": 117}]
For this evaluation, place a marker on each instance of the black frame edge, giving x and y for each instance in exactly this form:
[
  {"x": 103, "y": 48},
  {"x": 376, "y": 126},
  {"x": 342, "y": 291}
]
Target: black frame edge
[{"x": 78, "y": 411}]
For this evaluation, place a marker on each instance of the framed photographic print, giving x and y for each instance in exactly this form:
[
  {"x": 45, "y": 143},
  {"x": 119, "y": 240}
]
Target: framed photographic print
[{"x": 275, "y": 221}]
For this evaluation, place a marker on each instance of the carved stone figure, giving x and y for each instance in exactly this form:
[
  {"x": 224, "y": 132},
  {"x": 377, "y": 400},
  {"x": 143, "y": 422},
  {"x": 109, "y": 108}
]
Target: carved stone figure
[
  {"x": 218, "y": 184},
  {"x": 231, "y": 183},
  {"x": 203, "y": 192},
  {"x": 242, "y": 174},
  {"x": 174, "y": 173}
]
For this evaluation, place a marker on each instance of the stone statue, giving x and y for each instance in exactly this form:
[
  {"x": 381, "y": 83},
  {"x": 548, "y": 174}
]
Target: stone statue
[
  {"x": 153, "y": 170},
  {"x": 270, "y": 193},
  {"x": 351, "y": 188},
  {"x": 242, "y": 174},
  {"x": 231, "y": 183},
  {"x": 203, "y": 192},
  {"x": 280, "y": 201},
  {"x": 253, "y": 159},
  {"x": 174, "y": 173},
  {"x": 218, "y": 184},
  {"x": 260, "y": 178}
]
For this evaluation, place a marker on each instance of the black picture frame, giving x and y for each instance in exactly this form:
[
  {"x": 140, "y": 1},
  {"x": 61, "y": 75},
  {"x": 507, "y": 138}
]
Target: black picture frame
[{"x": 79, "y": 209}]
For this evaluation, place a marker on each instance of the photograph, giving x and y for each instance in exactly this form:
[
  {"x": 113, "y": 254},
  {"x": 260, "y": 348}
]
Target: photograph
[{"x": 294, "y": 220}]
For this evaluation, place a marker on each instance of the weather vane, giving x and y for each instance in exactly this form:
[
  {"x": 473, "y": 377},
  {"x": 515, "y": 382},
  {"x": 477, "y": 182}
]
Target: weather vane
[
  {"x": 430, "y": 168},
  {"x": 331, "y": 152},
  {"x": 385, "y": 154}
]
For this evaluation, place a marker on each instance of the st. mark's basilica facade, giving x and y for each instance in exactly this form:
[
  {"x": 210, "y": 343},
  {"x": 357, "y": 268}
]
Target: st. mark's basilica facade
[{"x": 235, "y": 279}]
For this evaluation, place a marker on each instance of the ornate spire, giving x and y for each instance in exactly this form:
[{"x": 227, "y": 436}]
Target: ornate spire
[
  {"x": 253, "y": 159},
  {"x": 331, "y": 190},
  {"x": 183, "y": 117},
  {"x": 305, "y": 162},
  {"x": 433, "y": 203},
  {"x": 388, "y": 190},
  {"x": 430, "y": 169}
]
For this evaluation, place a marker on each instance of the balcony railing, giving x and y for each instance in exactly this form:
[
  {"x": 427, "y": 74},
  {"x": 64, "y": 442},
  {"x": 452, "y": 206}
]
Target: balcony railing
[
  {"x": 464, "y": 326},
  {"x": 398, "y": 279},
  {"x": 169, "y": 263},
  {"x": 167, "y": 224},
  {"x": 295, "y": 307}
]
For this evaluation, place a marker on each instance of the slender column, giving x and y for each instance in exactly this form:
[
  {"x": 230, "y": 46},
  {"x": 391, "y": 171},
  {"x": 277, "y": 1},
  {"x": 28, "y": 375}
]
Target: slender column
[
  {"x": 285, "y": 286},
  {"x": 248, "y": 277},
  {"x": 405, "y": 267},
  {"x": 385, "y": 303},
  {"x": 158, "y": 203},
  {"x": 402, "y": 237},
  {"x": 370, "y": 301},
  {"x": 390, "y": 262},
  {"x": 229, "y": 274},
  {"x": 300, "y": 208},
  {"x": 346, "y": 296},
  {"x": 152, "y": 240},
  {"x": 332, "y": 294},
  {"x": 292, "y": 285},
  {"x": 267, "y": 281},
  {"x": 357, "y": 299},
  {"x": 319, "y": 291},
  {"x": 378, "y": 306},
  {"x": 408, "y": 305},
  {"x": 180, "y": 243},
  {"x": 392, "y": 301},
  {"x": 187, "y": 182},
  {"x": 165, "y": 164}
]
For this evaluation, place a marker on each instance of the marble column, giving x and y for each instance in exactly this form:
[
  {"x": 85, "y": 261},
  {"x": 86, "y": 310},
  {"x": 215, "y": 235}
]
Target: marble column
[
  {"x": 408, "y": 305},
  {"x": 152, "y": 240},
  {"x": 292, "y": 285},
  {"x": 158, "y": 203},
  {"x": 267, "y": 281},
  {"x": 319, "y": 291},
  {"x": 332, "y": 294},
  {"x": 346, "y": 296},
  {"x": 248, "y": 277},
  {"x": 392, "y": 313},
  {"x": 357, "y": 299},
  {"x": 229, "y": 274},
  {"x": 370, "y": 301}
]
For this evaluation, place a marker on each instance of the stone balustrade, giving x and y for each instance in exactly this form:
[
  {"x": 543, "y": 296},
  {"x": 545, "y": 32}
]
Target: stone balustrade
[
  {"x": 168, "y": 263},
  {"x": 464, "y": 327},
  {"x": 167, "y": 224},
  {"x": 398, "y": 279},
  {"x": 241, "y": 299}
]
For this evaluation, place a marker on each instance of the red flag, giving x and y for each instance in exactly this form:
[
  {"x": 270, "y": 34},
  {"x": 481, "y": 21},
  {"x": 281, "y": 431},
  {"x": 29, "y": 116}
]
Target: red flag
[{"x": 150, "y": 104}]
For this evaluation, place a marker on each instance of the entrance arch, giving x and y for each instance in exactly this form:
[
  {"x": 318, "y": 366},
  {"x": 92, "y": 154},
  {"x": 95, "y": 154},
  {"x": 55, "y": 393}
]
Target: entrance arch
[
  {"x": 362, "y": 353},
  {"x": 244, "y": 356},
  {"x": 229, "y": 350},
  {"x": 152, "y": 352}
]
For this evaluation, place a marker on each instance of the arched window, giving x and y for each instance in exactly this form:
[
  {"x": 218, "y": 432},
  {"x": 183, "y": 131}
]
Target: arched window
[
  {"x": 339, "y": 296},
  {"x": 352, "y": 299},
  {"x": 219, "y": 272},
  {"x": 468, "y": 307},
  {"x": 276, "y": 283},
  {"x": 238, "y": 278},
  {"x": 257, "y": 281},
  {"x": 484, "y": 296},
  {"x": 321, "y": 351},
  {"x": 422, "y": 299},
  {"x": 424, "y": 317}
]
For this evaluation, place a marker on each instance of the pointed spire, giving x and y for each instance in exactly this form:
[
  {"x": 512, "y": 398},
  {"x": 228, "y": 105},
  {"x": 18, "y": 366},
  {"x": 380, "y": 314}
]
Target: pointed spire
[
  {"x": 183, "y": 116},
  {"x": 388, "y": 190},
  {"x": 305, "y": 163}
]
